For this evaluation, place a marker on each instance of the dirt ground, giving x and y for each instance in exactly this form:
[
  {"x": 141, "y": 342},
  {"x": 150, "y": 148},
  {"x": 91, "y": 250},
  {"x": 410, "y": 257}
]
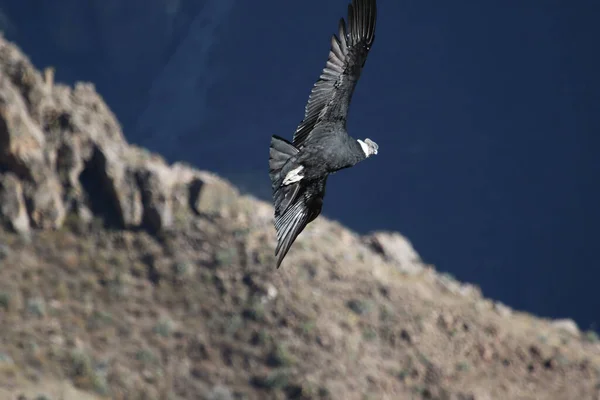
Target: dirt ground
[{"x": 200, "y": 312}]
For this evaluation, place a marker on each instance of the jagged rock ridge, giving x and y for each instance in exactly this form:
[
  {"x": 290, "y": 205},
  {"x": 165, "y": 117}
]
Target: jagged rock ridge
[{"x": 62, "y": 151}]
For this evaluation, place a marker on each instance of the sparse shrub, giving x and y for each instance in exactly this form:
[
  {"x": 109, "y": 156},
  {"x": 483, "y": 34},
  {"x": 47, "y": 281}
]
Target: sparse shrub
[
  {"x": 360, "y": 307},
  {"x": 234, "y": 324},
  {"x": 324, "y": 392},
  {"x": 7, "y": 365},
  {"x": 146, "y": 356},
  {"x": 120, "y": 259},
  {"x": 72, "y": 222},
  {"x": 241, "y": 232},
  {"x": 4, "y": 251},
  {"x": 226, "y": 256},
  {"x": 100, "y": 384},
  {"x": 164, "y": 327},
  {"x": 403, "y": 373},
  {"x": 280, "y": 357},
  {"x": 591, "y": 336},
  {"x": 369, "y": 334},
  {"x": 36, "y": 306},
  {"x": 116, "y": 288},
  {"x": 462, "y": 366},
  {"x": 308, "y": 327},
  {"x": 81, "y": 364},
  {"x": 385, "y": 313},
  {"x": 182, "y": 269},
  {"x": 99, "y": 319},
  {"x": 62, "y": 291},
  {"x": 422, "y": 390},
  {"x": 263, "y": 255},
  {"x": 84, "y": 374},
  {"x": 261, "y": 337},
  {"x": 6, "y": 359},
  {"x": 137, "y": 269},
  {"x": 255, "y": 312},
  {"x": 277, "y": 379},
  {"x": 4, "y": 300}
]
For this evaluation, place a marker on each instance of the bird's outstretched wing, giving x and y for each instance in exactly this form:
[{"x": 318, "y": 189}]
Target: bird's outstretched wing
[
  {"x": 305, "y": 207},
  {"x": 330, "y": 97}
]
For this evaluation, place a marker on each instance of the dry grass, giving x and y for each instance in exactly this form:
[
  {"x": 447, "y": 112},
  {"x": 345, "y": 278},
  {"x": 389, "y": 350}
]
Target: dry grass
[{"x": 201, "y": 313}]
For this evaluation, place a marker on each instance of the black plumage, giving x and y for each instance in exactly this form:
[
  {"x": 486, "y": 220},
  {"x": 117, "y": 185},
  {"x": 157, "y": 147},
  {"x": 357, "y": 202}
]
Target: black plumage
[{"x": 321, "y": 145}]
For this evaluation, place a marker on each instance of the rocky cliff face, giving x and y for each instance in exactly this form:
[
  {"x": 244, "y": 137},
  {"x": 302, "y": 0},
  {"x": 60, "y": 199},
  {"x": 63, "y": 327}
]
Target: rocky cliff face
[
  {"x": 62, "y": 151},
  {"x": 124, "y": 277}
]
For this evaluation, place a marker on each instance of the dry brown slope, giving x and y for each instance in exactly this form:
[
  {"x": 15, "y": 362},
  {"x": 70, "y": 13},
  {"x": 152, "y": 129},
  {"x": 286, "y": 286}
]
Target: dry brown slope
[{"x": 131, "y": 279}]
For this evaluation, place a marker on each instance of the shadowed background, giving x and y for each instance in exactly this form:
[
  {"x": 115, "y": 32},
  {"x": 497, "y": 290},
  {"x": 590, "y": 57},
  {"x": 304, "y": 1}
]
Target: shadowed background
[{"x": 486, "y": 116}]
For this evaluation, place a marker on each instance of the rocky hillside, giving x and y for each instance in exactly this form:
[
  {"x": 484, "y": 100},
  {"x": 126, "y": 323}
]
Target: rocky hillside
[{"x": 123, "y": 277}]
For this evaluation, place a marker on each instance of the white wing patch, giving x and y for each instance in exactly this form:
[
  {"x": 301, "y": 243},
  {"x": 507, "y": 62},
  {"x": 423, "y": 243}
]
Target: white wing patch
[{"x": 293, "y": 176}]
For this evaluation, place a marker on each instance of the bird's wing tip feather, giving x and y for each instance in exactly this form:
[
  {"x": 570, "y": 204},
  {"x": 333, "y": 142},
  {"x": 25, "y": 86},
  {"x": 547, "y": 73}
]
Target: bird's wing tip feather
[
  {"x": 347, "y": 56},
  {"x": 289, "y": 225}
]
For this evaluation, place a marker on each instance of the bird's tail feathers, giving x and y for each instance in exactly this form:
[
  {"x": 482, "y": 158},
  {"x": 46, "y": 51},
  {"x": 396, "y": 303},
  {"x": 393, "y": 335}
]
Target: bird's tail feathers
[{"x": 280, "y": 152}]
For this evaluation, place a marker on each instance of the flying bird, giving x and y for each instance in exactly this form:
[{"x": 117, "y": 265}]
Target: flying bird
[{"x": 321, "y": 145}]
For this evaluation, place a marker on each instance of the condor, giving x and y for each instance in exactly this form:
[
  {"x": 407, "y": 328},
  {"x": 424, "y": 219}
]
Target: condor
[{"x": 321, "y": 145}]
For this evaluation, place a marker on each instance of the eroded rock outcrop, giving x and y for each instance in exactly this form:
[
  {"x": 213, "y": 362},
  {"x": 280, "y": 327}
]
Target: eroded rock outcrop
[
  {"x": 395, "y": 248},
  {"x": 62, "y": 151}
]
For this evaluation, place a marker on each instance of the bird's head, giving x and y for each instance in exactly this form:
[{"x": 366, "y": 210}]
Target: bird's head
[{"x": 368, "y": 146}]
